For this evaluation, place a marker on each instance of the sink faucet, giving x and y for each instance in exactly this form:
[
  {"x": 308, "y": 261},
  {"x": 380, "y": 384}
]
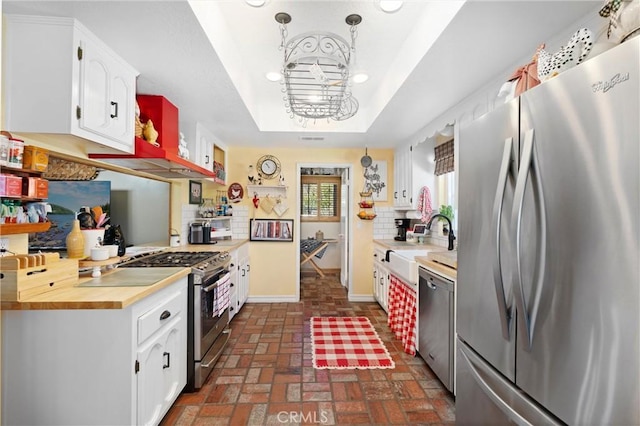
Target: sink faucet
[{"x": 452, "y": 237}]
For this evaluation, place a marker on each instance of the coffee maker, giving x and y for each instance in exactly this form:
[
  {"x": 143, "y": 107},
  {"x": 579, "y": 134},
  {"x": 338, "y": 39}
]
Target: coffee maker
[{"x": 403, "y": 226}]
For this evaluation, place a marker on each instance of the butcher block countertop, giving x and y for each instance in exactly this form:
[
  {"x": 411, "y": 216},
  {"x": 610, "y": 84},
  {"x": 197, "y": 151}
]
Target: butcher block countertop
[
  {"x": 116, "y": 288},
  {"x": 84, "y": 295},
  {"x": 427, "y": 262}
]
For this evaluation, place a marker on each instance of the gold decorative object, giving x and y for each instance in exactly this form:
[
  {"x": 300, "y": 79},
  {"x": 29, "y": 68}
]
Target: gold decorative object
[
  {"x": 150, "y": 133},
  {"x": 75, "y": 242}
]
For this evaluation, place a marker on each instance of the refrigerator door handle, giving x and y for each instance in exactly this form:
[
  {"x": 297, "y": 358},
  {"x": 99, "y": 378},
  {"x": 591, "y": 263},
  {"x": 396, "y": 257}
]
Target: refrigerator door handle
[
  {"x": 503, "y": 176},
  {"x": 528, "y": 165},
  {"x": 513, "y": 403}
]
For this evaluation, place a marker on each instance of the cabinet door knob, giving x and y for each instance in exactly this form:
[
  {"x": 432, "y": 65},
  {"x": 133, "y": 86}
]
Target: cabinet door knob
[
  {"x": 206, "y": 159},
  {"x": 115, "y": 114},
  {"x": 165, "y": 315}
]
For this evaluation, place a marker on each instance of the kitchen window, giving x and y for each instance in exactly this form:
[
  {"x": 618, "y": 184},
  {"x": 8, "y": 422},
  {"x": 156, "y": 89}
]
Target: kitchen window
[{"x": 320, "y": 198}]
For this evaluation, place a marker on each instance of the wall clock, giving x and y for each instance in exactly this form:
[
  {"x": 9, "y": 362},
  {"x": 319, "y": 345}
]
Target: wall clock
[{"x": 268, "y": 167}]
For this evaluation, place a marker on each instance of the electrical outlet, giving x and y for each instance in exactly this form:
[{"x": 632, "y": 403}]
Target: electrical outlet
[{"x": 4, "y": 246}]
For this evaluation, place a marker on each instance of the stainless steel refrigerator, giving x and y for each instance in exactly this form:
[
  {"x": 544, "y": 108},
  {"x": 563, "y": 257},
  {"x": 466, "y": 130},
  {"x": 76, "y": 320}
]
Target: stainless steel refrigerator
[{"x": 548, "y": 299}]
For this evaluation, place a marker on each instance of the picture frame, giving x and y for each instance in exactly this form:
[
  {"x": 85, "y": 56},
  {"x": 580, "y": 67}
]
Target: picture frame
[
  {"x": 195, "y": 192},
  {"x": 280, "y": 230}
]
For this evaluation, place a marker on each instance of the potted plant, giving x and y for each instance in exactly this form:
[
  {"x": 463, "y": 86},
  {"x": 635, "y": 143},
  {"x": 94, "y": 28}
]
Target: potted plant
[{"x": 448, "y": 212}]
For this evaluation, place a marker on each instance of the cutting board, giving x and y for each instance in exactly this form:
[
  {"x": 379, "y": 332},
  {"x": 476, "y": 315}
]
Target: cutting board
[{"x": 447, "y": 258}]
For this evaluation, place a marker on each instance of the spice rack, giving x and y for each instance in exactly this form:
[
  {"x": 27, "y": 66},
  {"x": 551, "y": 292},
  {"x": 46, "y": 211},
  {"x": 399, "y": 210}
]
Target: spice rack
[{"x": 12, "y": 228}]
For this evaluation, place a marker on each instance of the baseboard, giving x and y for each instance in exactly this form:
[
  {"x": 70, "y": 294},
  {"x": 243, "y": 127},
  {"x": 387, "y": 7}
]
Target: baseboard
[
  {"x": 313, "y": 273},
  {"x": 273, "y": 299},
  {"x": 361, "y": 298}
]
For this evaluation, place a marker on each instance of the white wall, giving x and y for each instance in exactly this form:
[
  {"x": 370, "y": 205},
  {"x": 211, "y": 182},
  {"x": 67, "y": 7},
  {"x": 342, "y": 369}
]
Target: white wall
[{"x": 140, "y": 206}]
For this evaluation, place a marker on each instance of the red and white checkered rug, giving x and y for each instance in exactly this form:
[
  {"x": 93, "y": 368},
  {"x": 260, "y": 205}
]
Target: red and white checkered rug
[{"x": 347, "y": 343}]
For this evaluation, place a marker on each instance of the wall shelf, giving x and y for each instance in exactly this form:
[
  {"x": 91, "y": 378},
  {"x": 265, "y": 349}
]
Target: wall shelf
[
  {"x": 23, "y": 228},
  {"x": 264, "y": 190}
]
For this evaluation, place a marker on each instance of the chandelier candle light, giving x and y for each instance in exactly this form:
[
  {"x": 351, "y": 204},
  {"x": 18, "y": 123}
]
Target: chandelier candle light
[{"x": 316, "y": 72}]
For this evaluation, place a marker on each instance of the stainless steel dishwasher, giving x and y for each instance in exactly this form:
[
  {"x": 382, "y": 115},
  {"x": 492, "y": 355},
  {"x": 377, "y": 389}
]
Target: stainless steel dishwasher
[{"x": 436, "y": 332}]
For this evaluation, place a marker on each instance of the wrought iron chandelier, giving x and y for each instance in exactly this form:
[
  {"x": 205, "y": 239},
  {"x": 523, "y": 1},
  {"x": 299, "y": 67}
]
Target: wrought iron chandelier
[{"x": 316, "y": 72}]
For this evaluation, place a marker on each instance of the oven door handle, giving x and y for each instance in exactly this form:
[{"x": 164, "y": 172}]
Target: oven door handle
[{"x": 216, "y": 284}]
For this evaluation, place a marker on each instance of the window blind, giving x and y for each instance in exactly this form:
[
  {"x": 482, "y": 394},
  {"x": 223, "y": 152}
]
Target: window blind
[{"x": 444, "y": 158}]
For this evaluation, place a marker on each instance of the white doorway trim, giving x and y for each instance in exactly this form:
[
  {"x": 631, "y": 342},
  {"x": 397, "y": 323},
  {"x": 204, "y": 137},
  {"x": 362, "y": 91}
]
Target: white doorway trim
[{"x": 349, "y": 167}]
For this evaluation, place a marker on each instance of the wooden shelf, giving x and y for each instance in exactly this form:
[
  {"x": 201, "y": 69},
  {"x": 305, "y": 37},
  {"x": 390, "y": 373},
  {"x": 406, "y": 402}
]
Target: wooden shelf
[
  {"x": 23, "y": 228},
  {"x": 264, "y": 190},
  {"x": 15, "y": 171}
]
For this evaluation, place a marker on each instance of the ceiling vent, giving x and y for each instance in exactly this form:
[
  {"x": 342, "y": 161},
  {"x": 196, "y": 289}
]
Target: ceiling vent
[{"x": 311, "y": 138}]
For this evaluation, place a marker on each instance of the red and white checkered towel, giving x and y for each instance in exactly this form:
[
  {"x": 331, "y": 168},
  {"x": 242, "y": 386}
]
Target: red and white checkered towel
[
  {"x": 424, "y": 204},
  {"x": 402, "y": 313}
]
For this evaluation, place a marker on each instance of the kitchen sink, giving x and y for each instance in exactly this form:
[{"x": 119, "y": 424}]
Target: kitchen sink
[
  {"x": 403, "y": 265},
  {"x": 132, "y": 277}
]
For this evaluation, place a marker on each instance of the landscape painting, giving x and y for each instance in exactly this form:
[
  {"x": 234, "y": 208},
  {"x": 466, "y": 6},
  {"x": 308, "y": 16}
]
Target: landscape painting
[{"x": 66, "y": 198}]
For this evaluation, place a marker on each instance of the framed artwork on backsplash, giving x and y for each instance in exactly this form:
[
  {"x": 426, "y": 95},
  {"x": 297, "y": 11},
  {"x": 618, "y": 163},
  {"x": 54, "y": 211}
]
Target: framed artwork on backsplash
[
  {"x": 271, "y": 230},
  {"x": 195, "y": 192}
]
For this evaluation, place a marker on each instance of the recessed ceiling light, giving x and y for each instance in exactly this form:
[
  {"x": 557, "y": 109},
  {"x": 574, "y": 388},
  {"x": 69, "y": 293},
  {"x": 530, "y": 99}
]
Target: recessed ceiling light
[
  {"x": 273, "y": 76},
  {"x": 256, "y": 3},
  {"x": 360, "y": 77},
  {"x": 390, "y": 6}
]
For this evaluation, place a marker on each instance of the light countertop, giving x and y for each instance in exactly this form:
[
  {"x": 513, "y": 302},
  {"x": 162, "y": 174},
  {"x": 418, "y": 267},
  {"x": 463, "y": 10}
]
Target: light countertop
[
  {"x": 104, "y": 297},
  {"x": 105, "y": 293},
  {"x": 444, "y": 270}
]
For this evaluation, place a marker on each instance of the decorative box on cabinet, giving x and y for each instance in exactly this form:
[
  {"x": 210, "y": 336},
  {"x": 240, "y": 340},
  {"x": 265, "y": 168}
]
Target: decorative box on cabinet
[
  {"x": 164, "y": 116},
  {"x": 61, "y": 82}
]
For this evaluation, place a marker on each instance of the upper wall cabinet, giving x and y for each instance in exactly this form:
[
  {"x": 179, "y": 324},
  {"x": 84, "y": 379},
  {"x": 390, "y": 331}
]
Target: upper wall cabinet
[
  {"x": 60, "y": 80},
  {"x": 210, "y": 153},
  {"x": 413, "y": 170},
  {"x": 402, "y": 178}
]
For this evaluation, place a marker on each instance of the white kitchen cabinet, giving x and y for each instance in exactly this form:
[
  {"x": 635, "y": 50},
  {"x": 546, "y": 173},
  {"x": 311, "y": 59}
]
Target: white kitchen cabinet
[
  {"x": 380, "y": 278},
  {"x": 61, "y": 82},
  {"x": 413, "y": 169},
  {"x": 161, "y": 359},
  {"x": 95, "y": 366},
  {"x": 210, "y": 153},
  {"x": 234, "y": 269},
  {"x": 402, "y": 177},
  {"x": 245, "y": 271},
  {"x": 205, "y": 140},
  {"x": 240, "y": 272}
]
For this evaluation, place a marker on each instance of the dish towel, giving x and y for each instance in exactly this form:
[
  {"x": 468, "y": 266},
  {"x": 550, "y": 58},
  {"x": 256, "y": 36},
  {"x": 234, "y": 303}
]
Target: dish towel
[
  {"x": 222, "y": 296},
  {"x": 424, "y": 204}
]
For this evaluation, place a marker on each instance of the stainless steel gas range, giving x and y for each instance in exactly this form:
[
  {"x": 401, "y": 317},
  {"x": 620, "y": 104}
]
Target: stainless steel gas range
[{"x": 208, "y": 316}]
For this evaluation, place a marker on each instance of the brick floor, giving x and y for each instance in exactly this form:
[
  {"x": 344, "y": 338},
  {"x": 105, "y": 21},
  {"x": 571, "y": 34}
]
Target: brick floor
[{"x": 266, "y": 376}]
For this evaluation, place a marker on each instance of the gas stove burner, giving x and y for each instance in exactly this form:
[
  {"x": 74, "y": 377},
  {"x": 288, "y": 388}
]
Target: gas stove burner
[{"x": 198, "y": 260}]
